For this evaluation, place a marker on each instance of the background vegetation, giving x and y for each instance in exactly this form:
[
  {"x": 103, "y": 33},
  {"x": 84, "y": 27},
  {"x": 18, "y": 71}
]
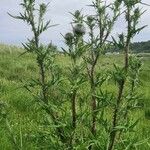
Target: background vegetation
[
  {"x": 80, "y": 99},
  {"x": 141, "y": 47},
  {"x": 23, "y": 112}
]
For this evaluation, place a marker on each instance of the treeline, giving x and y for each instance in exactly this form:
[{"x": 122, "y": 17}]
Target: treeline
[
  {"x": 141, "y": 47},
  {"x": 136, "y": 47}
]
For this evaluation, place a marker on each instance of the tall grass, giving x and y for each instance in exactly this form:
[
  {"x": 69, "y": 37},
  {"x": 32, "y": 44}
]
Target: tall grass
[{"x": 24, "y": 112}]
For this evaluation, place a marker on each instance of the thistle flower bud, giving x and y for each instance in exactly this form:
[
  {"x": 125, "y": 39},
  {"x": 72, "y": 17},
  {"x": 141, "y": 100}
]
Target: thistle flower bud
[
  {"x": 90, "y": 19},
  {"x": 69, "y": 37},
  {"x": 43, "y": 8},
  {"x": 79, "y": 30},
  {"x": 77, "y": 13}
]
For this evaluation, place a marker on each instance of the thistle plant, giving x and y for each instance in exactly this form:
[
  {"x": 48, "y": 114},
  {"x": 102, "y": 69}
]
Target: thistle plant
[
  {"x": 75, "y": 50},
  {"x": 126, "y": 98},
  {"x": 102, "y": 22},
  {"x": 49, "y": 76},
  {"x": 79, "y": 111}
]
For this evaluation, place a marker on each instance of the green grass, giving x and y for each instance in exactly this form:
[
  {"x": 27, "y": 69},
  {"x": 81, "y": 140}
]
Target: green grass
[{"x": 23, "y": 111}]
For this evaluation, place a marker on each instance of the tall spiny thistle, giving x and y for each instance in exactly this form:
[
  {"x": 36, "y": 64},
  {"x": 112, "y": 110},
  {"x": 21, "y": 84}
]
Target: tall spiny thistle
[
  {"x": 132, "y": 16},
  {"x": 91, "y": 128},
  {"x": 76, "y": 48},
  {"x": 45, "y": 59},
  {"x": 102, "y": 22}
]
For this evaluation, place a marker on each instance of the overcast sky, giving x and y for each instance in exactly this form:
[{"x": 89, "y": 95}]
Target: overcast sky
[{"x": 15, "y": 31}]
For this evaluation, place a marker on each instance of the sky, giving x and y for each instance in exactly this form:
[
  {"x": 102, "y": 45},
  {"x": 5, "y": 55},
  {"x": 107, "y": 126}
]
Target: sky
[{"x": 15, "y": 31}]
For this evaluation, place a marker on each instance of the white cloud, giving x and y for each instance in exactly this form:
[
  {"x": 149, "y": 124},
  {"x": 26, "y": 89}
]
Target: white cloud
[{"x": 14, "y": 32}]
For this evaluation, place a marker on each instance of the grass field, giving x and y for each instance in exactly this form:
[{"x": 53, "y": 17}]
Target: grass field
[{"x": 23, "y": 111}]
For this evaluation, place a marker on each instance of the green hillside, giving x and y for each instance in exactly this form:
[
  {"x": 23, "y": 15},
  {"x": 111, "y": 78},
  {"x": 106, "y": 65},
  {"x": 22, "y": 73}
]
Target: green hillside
[{"x": 23, "y": 112}]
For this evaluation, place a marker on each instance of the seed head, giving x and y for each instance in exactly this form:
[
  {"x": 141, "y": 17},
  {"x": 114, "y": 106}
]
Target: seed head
[
  {"x": 79, "y": 30},
  {"x": 69, "y": 37}
]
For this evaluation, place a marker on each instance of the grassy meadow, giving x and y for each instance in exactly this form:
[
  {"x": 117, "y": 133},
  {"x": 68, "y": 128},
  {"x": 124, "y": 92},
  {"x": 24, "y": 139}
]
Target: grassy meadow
[{"x": 23, "y": 113}]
